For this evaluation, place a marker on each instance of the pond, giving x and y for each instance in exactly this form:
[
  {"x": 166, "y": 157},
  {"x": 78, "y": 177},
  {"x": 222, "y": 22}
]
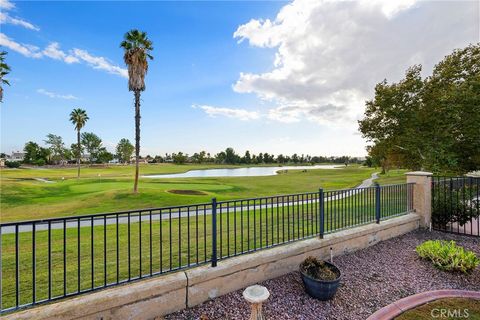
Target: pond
[{"x": 239, "y": 172}]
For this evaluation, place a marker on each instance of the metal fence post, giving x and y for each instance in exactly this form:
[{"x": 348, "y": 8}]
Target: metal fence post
[
  {"x": 214, "y": 232},
  {"x": 377, "y": 203},
  {"x": 321, "y": 201}
]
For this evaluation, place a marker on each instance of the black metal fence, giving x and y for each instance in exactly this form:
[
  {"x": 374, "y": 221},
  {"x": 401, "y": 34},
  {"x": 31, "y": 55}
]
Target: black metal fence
[
  {"x": 45, "y": 260},
  {"x": 456, "y": 205}
]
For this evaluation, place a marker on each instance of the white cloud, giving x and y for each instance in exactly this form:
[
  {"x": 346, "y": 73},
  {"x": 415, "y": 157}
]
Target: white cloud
[
  {"x": 53, "y": 51},
  {"x": 6, "y": 5},
  {"x": 6, "y": 18},
  {"x": 56, "y": 95},
  {"x": 240, "y": 114},
  {"x": 24, "y": 49},
  {"x": 100, "y": 63},
  {"x": 330, "y": 54}
]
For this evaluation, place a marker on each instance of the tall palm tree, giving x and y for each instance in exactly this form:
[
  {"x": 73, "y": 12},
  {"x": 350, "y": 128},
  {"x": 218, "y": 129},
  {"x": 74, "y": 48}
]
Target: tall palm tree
[
  {"x": 137, "y": 48},
  {"x": 4, "y": 70},
  {"x": 78, "y": 117}
]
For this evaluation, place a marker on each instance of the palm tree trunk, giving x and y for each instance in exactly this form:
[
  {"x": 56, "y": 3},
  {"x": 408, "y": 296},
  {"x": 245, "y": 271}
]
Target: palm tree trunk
[
  {"x": 137, "y": 137},
  {"x": 78, "y": 153}
]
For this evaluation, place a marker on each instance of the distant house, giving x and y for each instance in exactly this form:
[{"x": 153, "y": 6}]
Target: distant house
[
  {"x": 16, "y": 156},
  {"x": 140, "y": 160}
]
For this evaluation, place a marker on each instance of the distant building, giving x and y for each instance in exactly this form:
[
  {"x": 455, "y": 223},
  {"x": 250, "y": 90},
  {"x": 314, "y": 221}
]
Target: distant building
[{"x": 16, "y": 156}]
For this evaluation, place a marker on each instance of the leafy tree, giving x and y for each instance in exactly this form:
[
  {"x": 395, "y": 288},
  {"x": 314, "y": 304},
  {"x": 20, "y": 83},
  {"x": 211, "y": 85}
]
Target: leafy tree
[
  {"x": 220, "y": 157},
  {"x": 179, "y": 158},
  {"x": 34, "y": 154},
  {"x": 76, "y": 153},
  {"x": 4, "y": 70},
  {"x": 124, "y": 150},
  {"x": 32, "y": 151},
  {"x": 429, "y": 123},
  {"x": 93, "y": 145},
  {"x": 137, "y": 48},
  {"x": 202, "y": 156},
  {"x": 78, "y": 117},
  {"x": 260, "y": 158},
  {"x": 230, "y": 156},
  {"x": 268, "y": 158},
  {"x": 157, "y": 159},
  {"x": 247, "y": 158},
  {"x": 104, "y": 156},
  {"x": 57, "y": 147}
]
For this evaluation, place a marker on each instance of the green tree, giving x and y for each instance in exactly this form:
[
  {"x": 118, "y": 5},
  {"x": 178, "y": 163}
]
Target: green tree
[
  {"x": 56, "y": 146},
  {"x": 93, "y": 145},
  {"x": 230, "y": 156},
  {"x": 430, "y": 123},
  {"x": 78, "y": 117},
  {"x": 179, "y": 158},
  {"x": 247, "y": 158},
  {"x": 124, "y": 150},
  {"x": 104, "y": 156},
  {"x": 220, "y": 157},
  {"x": 75, "y": 151},
  {"x": 4, "y": 70},
  {"x": 34, "y": 154},
  {"x": 137, "y": 48}
]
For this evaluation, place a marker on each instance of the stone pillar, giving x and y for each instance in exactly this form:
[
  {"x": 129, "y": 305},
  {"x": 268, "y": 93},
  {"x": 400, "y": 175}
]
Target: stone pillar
[{"x": 422, "y": 195}]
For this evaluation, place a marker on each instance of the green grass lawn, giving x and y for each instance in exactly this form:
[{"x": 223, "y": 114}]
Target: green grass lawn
[
  {"x": 108, "y": 189},
  {"x": 168, "y": 244},
  {"x": 393, "y": 177},
  {"x": 91, "y": 254}
]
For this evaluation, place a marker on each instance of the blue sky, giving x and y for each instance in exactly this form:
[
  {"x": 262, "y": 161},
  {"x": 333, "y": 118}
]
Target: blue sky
[{"x": 277, "y": 77}]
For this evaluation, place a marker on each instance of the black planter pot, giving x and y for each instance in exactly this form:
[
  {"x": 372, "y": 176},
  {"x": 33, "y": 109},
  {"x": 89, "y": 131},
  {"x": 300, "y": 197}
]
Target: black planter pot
[{"x": 322, "y": 289}]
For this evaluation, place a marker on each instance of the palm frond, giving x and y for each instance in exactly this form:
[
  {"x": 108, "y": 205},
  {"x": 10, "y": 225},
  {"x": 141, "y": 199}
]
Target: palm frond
[
  {"x": 78, "y": 117},
  {"x": 137, "y": 51}
]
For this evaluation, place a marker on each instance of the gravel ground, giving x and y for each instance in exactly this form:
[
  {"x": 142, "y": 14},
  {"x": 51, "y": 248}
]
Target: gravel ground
[{"x": 372, "y": 278}]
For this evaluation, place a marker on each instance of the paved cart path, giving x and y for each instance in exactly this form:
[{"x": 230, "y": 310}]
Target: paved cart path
[{"x": 204, "y": 210}]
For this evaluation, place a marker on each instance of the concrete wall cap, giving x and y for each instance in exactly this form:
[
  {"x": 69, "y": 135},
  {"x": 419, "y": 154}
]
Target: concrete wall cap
[{"x": 419, "y": 173}]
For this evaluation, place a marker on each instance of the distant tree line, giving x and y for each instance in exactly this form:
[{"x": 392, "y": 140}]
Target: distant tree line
[
  {"x": 229, "y": 156},
  {"x": 91, "y": 151}
]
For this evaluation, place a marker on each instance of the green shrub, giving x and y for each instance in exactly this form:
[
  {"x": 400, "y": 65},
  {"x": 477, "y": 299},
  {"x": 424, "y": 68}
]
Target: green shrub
[
  {"x": 12, "y": 164},
  {"x": 447, "y": 256},
  {"x": 455, "y": 206}
]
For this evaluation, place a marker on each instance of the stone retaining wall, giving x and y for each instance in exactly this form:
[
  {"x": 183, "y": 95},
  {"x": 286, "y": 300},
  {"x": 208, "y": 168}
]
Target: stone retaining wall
[{"x": 148, "y": 299}]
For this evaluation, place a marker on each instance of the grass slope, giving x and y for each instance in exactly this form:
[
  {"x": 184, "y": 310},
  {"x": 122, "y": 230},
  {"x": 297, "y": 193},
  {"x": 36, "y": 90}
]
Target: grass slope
[{"x": 108, "y": 189}]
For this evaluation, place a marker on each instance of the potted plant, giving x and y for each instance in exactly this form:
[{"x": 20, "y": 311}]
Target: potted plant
[{"x": 321, "y": 278}]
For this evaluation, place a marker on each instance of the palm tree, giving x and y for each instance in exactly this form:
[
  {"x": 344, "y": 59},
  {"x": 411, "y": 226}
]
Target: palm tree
[
  {"x": 4, "y": 70},
  {"x": 137, "y": 48},
  {"x": 78, "y": 117}
]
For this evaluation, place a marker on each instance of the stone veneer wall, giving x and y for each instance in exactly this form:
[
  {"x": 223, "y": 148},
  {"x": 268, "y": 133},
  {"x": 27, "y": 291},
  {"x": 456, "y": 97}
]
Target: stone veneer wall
[{"x": 152, "y": 298}]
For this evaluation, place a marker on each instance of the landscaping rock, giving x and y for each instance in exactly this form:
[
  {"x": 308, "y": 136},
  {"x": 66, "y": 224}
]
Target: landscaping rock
[{"x": 372, "y": 278}]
